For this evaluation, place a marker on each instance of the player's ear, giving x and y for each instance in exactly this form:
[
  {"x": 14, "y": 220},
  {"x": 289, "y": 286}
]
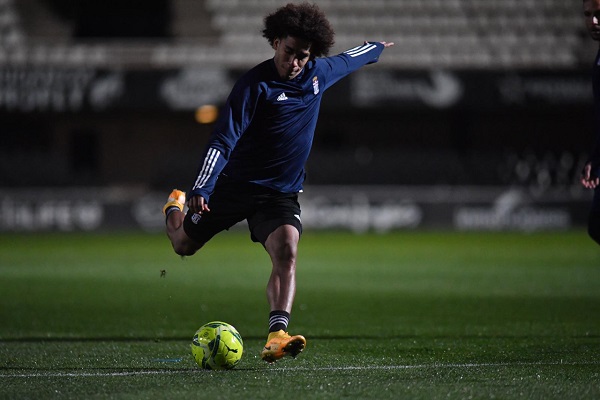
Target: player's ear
[{"x": 276, "y": 43}]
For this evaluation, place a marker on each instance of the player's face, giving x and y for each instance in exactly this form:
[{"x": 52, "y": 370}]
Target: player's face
[
  {"x": 291, "y": 55},
  {"x": 591, "y": 14}
]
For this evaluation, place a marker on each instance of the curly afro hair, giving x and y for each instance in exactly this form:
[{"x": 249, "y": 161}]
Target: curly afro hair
[{"x": 304, "y": 21}]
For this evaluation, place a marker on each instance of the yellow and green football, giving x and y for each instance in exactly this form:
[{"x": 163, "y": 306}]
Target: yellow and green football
[{"x": 217, "y": 345}]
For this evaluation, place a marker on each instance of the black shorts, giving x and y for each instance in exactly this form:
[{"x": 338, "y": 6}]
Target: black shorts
[{"x": 265, "y": 210}]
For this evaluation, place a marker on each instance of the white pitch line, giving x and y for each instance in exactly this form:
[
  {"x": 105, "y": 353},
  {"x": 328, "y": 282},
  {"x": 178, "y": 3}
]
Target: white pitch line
[
  {"x": 422, "y": 366},
  {"x": 93, "y": 374},
  {"x": 347, "y": 368}
]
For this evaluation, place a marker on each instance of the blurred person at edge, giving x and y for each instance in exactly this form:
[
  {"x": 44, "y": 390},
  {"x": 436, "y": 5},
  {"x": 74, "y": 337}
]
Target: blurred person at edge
[{"x": 590, "y": 176}]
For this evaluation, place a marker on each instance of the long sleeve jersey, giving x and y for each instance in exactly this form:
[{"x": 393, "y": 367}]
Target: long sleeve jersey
[{"x": 266, "y": 129}]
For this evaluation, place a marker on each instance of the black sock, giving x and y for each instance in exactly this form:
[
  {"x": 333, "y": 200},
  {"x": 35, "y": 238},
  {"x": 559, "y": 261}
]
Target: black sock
[
  {"x": 278, "y": 320},
  {"x": 169, "y": 210}
]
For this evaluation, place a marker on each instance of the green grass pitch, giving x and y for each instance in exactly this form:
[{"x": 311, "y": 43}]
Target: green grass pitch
[{"x": 419, "y": 315}]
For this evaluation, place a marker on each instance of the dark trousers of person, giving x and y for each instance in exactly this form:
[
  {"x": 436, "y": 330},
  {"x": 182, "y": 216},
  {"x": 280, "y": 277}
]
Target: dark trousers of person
[{"x": 594, "y": 217}]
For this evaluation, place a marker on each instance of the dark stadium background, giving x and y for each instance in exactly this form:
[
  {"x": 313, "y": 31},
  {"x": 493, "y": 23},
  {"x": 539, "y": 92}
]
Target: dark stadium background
[{"x": 479, "y": 117}]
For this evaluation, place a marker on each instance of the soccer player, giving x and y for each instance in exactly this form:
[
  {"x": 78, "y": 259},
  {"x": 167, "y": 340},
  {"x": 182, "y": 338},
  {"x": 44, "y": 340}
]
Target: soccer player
[
  {"x": 590, "y": 176},
  {"x": 252, "y": 167}
]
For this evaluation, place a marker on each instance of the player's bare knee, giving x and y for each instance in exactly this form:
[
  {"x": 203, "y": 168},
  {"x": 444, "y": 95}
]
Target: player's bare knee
[
  {"x": 284, "y": 253},
  {"x": 184, "y": 249},
  {"x": 282, "y": 245}
]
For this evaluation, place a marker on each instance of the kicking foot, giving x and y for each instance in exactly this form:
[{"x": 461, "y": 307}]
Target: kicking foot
[
  {"x": 281, "y": 344},
  {"x": 176, "y": 199}
]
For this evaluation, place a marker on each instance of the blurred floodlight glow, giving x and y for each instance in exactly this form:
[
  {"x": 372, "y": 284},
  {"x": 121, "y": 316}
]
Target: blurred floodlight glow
[{"x": 207, "y": 114}]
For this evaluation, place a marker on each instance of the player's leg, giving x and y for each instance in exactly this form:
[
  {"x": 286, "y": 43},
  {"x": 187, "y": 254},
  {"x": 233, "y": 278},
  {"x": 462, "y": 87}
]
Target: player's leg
[
  {"x": 230, "y": 203},
  {"x": 173, "y": 211},
  {"x": 276, "y": 224},
  {"x": 282, "y": 246}
]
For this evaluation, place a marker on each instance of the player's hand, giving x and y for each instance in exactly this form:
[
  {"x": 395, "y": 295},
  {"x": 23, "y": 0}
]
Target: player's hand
[
  {"x": 587, "y": 179},
  {"x": 198, "y": 205},
  {"x": 385, "y": 44}
]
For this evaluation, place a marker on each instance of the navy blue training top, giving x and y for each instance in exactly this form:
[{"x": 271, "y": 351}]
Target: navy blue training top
[{"x": 265, "y": 132}]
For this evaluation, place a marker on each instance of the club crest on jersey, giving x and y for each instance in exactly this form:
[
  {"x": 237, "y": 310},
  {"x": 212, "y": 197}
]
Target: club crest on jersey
[
  {"x": 315, "y": 85},
  {"x": 196, "y": 218}
]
